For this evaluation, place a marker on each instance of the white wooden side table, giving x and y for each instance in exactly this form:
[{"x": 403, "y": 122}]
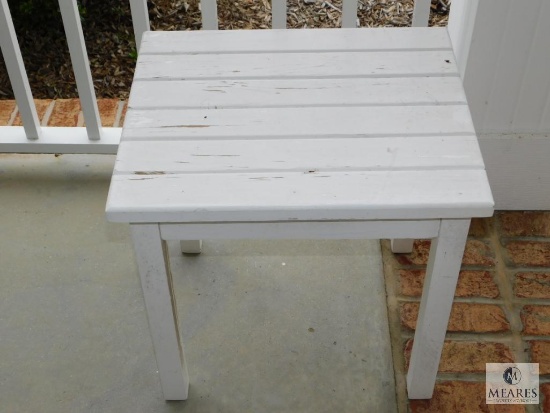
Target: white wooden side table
[{"x": 326, "y": 133}]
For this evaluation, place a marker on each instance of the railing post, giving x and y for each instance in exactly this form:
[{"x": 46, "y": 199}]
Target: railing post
[
  {"x": 278, "y": 14},
  {"x": 17, "y": 73},
  {"x": 421, "y": 13},
  {"x": 140, "y": 19},
  {"x": 349, "y": 13},
  {"x": 209, "y": 12},
  {"x": 81, "y": 67}
]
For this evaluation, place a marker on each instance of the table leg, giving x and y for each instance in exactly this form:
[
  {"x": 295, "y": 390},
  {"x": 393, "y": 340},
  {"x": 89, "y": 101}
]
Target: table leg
[
  {"x": 435, "y": 307},
  {"x": 402, "y": 246},
  {"x": 160, "y": 303},
  {"x": 191, "y": 247}
]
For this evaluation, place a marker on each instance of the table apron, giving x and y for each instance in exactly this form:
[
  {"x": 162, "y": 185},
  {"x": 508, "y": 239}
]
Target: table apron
[{"x": 302, "y": 230}]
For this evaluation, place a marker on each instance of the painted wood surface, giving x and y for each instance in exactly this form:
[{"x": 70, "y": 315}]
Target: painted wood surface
[
  {"x": 158, "y": 293},
  {"x": 435, "y": 306},
  {"x": 404, "y": 148},
  {"x": 18, "y": 76}
]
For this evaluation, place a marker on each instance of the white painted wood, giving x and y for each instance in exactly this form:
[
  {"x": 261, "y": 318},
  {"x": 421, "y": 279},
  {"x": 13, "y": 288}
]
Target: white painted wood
[
  {"x": 297, "y": 65},
  {"x": 270, "y": 41},
  {"x": 307, "y": 122},
  {"x": 435, "y": 306},
  {"x": 140, "y": 19},
  {"x": 278, "y": 14},
  {"x": 303, "y": 92},
  {"x": 349, "y": 13},
  {"x": 13, "y": 139},
  {"x": 517, "y": 166},
  {"x": 17, "y": 74},
  {"x": 81, "y": 67},
  {"x": 402, "y": 245},
  {"x": 512, "y": 64},
  {"x": 286, "y": 196},
  {"x": 160, "y": 302},
  {"x": 209, "y": 11},
  {"x": 421, "y": 13},
  {"x": 302, "y": 230},
  {"x": 462, "y": 18},
  {"x": 321, "y": 155},
  {"x": 191, "y": 246},
  {"x": 534, "y": 91}
]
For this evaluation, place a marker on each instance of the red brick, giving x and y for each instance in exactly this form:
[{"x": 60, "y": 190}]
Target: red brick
[
  {"x": 41, "y": 108},
  {"x": 529, "y": 253},
  {"x": 467, "y": 356},
  {"x": 532, "y": 285},
  {"x": 540, "y": 353},
  {"x": 536, "y": 320},
  {"x": 65, "y": 113},
  {"x": 461, "y": 396},
  {"x": 465, "y": 317},
  {"x": 6, "y": 109},
  {"x": 545, "y": 393},
  {"x": 524, "y": 223},
  {"x": 477, "y": 253},
  {"x": 479, "y": 227},
  {"x": 470, "y": 284},
  {"x": 108, "y": 109}
]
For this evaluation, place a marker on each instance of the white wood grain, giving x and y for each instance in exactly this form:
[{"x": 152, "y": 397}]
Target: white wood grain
[
  {"x": 140, "y": 19},
  {"x": 511, "y": 66},
  {"x": 272, "y": 41},
  {"x": 482, "y": 61},
  {"x": 59, "y": 140},
  {"x": 402, "y": 245},
  {"x": 160, "y": 302},
  {"x": 435, "y": 307},
  {"x": 298, "y": 122},
  {"x": 275, "y": 155},
  {"x": 535, "y": 86},
  {"x": 81, "y": 67},
  {"x": 296, "y": 65},
  {"x": 304, "y": 92},
  {"x": 190, "y": 246},
  {"x": 302, "y": 230},
  {"x": 421, "y": 13},
  {"x": 209, "y": 12},
  {"x": 349, "y": 13},
  {"x": 286, "y": 196},
  {"x": 17, "y": 74},
  {"x": 278, "y": 14}
]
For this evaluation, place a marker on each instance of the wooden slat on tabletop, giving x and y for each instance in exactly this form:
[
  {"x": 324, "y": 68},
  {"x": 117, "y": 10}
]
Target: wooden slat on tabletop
[
  {"x": 269, "y": 41},
  {"x": 358, "y": 121},
  {"x": 296, "y": 65},
  {"x": 304, "y": 155},
  {"x": 283, "y": 196},
  {"x": 294, "y": 93}
]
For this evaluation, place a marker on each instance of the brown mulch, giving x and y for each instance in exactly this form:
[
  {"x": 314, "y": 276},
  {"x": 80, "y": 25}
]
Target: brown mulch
[{"x": 110, "y": 43}]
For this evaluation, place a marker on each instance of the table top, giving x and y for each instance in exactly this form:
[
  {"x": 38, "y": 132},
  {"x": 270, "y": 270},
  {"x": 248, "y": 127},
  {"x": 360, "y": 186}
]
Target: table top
[{"x": 279, "y": 125}]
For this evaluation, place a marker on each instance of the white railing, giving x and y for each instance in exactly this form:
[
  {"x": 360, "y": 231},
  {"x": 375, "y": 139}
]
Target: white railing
[{"x": 93, "y": 138}]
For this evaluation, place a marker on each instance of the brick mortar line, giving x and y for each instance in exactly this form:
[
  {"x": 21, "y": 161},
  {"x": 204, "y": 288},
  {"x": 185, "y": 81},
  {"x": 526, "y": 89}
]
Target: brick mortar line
[
  {"x": 534, "y": 238},
  {"x": 13, "y": 115},
  {"x": 466, "y": 300},
  {"x": 489, "y": 337},
  {"x": 48, "y": 113}
]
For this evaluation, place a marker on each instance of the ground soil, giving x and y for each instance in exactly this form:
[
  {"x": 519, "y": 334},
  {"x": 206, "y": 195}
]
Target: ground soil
[{"x": 107, "y": 27}]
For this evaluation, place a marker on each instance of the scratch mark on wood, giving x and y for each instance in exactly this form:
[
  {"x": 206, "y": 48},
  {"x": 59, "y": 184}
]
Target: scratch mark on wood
[{"x": 149, "y": 173}]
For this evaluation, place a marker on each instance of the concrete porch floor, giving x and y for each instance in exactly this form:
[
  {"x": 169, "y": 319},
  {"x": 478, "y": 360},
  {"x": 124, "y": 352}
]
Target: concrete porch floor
[{"x": 267, "y": 326}]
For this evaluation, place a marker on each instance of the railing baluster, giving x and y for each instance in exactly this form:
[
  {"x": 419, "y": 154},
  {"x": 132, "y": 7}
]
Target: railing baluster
[
  {"x": 81, "y": 67},
  {"x": 209, "y": 11},
  {"x": 140, "y": 19},
  {"x": 349, "y": 13},
  {"x": 421, "y": 13},
  {"x": 278, "y": 14},
  {"x": 17, "y": 73}
]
